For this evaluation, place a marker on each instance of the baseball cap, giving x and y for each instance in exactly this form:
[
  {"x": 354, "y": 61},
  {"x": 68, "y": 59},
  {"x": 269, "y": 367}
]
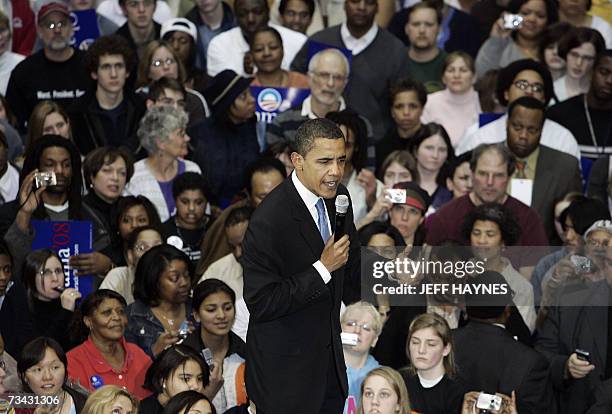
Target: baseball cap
[
  {"x": 179, "y": 24},
  {"x": 50, "y": 8},
  {"x": 600, "y": 225}
]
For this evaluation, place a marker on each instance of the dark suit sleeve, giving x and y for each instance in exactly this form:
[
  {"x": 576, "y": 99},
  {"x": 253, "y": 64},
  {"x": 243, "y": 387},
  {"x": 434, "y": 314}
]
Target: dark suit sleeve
[
  {"x": 300, "y": 61},
  {"x": 268, "y": 294},
  {"x": 534, "y": 395},
  {"x": 547, "y": 343},
  {"x": 598, "y": 180}
]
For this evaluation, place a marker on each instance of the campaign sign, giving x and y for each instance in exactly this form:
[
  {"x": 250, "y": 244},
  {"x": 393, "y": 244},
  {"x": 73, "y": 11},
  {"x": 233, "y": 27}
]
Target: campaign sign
[
  {"x": 67, "y": 238},
  {"x": 272, "y": 101},
  {"x": 86, "y": 29}
]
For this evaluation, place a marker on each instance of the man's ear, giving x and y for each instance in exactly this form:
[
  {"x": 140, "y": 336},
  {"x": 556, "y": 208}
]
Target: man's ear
[
  {"x": 298, "y": 161},
  {"x": 149, "y": 103}
]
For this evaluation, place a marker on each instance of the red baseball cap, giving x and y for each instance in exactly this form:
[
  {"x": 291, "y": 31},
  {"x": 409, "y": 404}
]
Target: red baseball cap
[{"x": 50, "y": 8}]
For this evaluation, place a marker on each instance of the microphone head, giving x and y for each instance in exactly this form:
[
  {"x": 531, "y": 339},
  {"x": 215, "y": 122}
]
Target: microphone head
[{"x": 342, "y": 204}]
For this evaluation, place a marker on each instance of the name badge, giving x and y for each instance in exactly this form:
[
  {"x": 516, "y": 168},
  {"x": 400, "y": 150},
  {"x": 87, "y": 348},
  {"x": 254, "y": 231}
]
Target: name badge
[{"x": 522, "y": 189}]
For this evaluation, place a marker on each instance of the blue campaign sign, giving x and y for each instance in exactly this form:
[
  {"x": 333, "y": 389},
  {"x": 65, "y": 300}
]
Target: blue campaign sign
[
  {"x": 67, "y": 238},
  {"x": 272, "y": 101},
  {"x": 86, "y": 29},
  {"x": 316, "y": 47}
]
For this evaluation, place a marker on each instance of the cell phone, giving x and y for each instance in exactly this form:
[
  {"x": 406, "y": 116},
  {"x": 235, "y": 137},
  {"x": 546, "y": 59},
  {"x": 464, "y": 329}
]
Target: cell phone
[
  {"x": 349, "y": 338},
  {"x": 44, "y": 179},
  {"x": 208, "y": 357},
  {"x": 582, "y": 264},
  {"x": 488, "y": 402},
  {"x": 513, "y": 21},
  {"x": 183, "y": 331},
  {"x": 583, "y": 355}
]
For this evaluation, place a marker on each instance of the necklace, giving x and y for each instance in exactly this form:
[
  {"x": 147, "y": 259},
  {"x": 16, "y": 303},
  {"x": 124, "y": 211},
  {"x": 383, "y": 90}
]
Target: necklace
[
  {"x": 590, "y": 124},
  {"x": 169, "y": 321}
]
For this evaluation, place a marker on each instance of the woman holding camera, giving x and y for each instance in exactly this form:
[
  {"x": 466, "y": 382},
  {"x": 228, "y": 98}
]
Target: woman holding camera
[
  {"x": 516, "y": 35},
  {"x": 105, "y": 357}
]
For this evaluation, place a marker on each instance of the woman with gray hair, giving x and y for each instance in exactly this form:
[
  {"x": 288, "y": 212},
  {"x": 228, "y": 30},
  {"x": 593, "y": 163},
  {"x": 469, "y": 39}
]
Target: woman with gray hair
[{"x": 162, "y": 134}]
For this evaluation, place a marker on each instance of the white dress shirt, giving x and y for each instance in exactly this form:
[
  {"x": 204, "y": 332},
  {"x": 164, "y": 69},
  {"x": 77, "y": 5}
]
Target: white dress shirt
[
  {"x": 358, "y": 45},
  {"x": 307, "y": 107},
  {"x": 9, "y": 184},
  {"x": 554, "y": 136},
  {"x": 311, "y": 200},
  {"x": 227, "y": 49}
]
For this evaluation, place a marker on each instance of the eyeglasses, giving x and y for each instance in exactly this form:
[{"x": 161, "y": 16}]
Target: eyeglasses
[
  {"x": 334, "y": 77},
  {"x": 578, "y": 56},
  {"x": 526, "y": 86},
  {"x": 166, "y": 62},
  {"x": 597, "y": 243},
  {"x": 143, "y": 247},
  {"x": 2, "y": 363},
  {"x": 353, "y": 324},
  {"x": 51, "y": 272},
  {"x": 55, "y": 25}
]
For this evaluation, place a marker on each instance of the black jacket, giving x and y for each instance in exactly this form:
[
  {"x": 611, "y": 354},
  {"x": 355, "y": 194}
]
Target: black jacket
[
  {"x": 16, "y": 326},
  {"x": 90, "y": 127}
]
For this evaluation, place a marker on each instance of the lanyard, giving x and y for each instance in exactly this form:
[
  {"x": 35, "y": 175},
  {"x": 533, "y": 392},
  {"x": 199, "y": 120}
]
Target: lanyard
[{"x": 590, "y": 124}]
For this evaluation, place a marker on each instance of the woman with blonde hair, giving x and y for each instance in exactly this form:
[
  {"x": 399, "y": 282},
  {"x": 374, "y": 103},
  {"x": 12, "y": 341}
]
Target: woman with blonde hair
[
  {"x": 47, "y": 117},
  {"x": 111, "y": 399},
  {"x": 430, "y": 376},
  {"x": 383, "y": 391}
]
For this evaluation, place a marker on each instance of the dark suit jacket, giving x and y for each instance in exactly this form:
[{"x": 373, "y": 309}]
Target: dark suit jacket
[
  {"x": 579, "y": 320},
  {"x": 294, "y": 326},
  {"x": 489, "y": 359},
  {"x": 557, "y": 174}
]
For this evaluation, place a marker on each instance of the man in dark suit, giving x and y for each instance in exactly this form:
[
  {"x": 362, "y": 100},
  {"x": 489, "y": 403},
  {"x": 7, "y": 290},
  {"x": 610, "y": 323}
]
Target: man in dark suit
[
  {"x": 550, "y": 174},
  {"x": 489, "y": 359},
  {"x": 581, "y": 319},
  {"x": 294, "y": 277}
]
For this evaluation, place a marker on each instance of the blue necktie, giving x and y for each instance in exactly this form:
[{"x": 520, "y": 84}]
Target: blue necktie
[{"x": 322, "y": 220}]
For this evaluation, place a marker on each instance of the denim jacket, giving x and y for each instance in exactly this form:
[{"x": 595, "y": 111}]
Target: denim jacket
[{"x": 143, "y": 326}]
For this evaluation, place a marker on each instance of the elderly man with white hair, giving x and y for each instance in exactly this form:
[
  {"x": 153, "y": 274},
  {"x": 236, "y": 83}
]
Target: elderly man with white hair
[{"x": 328, "y": 73}]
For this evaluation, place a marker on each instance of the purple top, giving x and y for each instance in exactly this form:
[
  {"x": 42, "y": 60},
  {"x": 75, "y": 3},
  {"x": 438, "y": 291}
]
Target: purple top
[{"x": 166, "y": 189}]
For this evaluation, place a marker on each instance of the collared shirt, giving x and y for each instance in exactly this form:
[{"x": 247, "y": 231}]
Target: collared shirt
[
  {"x": 311, "y": 200},
  {"x": 531, "y": 163},
  {"x": 87, "y": 365},
  {"x": 9, "y": 285},
  {"x": 358, "y": 45},
  {"x": 307, "y": 107}
]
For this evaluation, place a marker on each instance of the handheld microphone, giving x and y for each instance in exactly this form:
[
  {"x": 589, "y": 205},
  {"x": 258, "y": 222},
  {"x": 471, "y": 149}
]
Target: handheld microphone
[{"x": 342, "y": 205}]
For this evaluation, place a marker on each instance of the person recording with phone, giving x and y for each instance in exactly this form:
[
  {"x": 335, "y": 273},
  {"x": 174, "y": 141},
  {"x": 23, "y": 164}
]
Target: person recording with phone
[
  {"x": 515, "y": 35},
  {"x": 295, "y": 277},
  {"x": 575, "y": 336}
]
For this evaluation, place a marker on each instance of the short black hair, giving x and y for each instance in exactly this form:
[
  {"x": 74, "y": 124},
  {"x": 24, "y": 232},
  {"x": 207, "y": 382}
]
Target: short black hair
[
  {"x": 238, "y": 215},
  {"x": 156, "y": 89},
  {"x": 267, "y": 29},
  {"x": 528, "y": 102},
  {"x": 551, "y": 35},
  {"x": 189, "y": 181},
  {"x": 354, "y": 122},
  {"x": 408, "y": 85},
  {"x": 33, "y": 352},
  {"x": 505, "y": 78},
  {"x": 98, "y": 158},
  {"x": 378, "y": 227},
  {"x": 151, "y": 266},
  {"x": 208, "y": 287},
  {"x": 4, "y": 251},
  {"x": 449, "y": 168},
  {"x": 309, "y": 3},
  {"x": 168, "y": 361},
  {"x": 313, "y": 129},
  {"x": 78, "y": 329},
  {"x": 262, "y": 165},
  {"x": 601, "y": 56},
  {"x": 184, "y": 401},
  {"x": 498, "y": 214},
  {"x": 584, "y": 212},
  {"x": 108, "y": 45},
  {"x": 500, "y": 149}
]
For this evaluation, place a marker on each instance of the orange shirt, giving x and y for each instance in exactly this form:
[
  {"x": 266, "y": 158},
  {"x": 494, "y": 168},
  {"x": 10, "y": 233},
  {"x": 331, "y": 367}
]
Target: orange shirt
[
  {"x": 294, "y": 80},
  {"x": 87, "y": 365}
]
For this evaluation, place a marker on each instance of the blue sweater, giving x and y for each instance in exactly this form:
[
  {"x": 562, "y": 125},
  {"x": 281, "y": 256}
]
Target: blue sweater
[{"x": 355, "y": 378}]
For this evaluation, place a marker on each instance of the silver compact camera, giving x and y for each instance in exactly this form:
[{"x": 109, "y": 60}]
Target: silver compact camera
[
  {"x": 582, "y": 264},
  {"x": 44, "y": 179},
  {"x": 396, "y": 195},
  {"x": 488, "y": 402},
  {"x": 513, "y": 21}
]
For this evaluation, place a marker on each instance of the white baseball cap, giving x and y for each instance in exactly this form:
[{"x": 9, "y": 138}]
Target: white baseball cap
[{"x": 180, "y": 24}]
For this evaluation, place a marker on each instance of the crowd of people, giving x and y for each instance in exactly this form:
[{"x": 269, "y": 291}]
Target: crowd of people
[{"x": 460, "y": 131}]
